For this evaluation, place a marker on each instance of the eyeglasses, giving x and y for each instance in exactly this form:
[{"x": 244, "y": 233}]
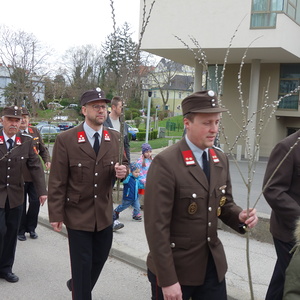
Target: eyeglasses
[{"x": 97, "y": 107}]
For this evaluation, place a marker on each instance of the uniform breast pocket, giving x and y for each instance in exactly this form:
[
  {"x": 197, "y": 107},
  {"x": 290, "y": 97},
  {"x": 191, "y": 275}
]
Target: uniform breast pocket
[
  {"x": 81, "y": 170},
  {"x": 192, "y": 201}
]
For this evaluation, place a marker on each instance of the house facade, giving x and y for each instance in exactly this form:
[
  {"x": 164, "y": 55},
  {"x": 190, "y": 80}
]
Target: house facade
[
  {"x": 36, "y": 85},
  {"x": 250, "y": 53}
]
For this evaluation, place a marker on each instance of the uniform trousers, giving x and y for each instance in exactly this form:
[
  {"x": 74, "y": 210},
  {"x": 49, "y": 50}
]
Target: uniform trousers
[
  {"x": 88, "y": 254},
  {"x": 29, "y": 219},
  {"x": 211, "y": 289},
  {"x": 276, "y": 286},
  {"x": 9, "y": 226}
]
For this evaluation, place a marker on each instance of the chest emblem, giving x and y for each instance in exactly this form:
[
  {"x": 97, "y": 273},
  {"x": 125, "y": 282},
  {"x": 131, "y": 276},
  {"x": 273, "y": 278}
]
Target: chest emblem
[
  {"x": 188, "y": 157},
  {"x": 106, "y": 135},
  {"x": 81, "y": 137}
]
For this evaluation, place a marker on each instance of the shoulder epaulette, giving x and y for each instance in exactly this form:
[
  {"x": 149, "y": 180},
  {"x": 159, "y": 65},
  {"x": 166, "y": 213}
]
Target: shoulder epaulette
[
  {"x": 112, "y": 128},
  {"x": 218, "y": 148},
  {"x": 25, "y": 134}
]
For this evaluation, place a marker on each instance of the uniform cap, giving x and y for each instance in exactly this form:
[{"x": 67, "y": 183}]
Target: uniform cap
[
  {"x": 24, "y": 111},
  {"x": 12, "y": 112},
  {"x": 201, "y": 102},
  {"x": 93, "y": 95}
]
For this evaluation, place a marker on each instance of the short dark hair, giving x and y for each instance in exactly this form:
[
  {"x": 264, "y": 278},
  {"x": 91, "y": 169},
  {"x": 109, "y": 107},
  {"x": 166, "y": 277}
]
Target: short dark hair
[{"x": 115, "y": 100}]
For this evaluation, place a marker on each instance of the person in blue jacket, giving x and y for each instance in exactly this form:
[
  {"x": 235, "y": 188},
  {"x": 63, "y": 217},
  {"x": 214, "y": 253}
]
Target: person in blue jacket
[{"x": 130, "y": 193}]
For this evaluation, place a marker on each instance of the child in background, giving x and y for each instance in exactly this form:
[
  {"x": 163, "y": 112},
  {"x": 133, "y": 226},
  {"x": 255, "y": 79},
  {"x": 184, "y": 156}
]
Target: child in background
[
  {"x": 130, "y": 193},
  {"x": 144, "y": 162}
]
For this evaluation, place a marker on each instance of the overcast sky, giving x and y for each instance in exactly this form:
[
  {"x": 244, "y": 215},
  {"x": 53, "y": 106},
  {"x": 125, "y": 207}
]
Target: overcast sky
[{"x": 62, "y": 24}]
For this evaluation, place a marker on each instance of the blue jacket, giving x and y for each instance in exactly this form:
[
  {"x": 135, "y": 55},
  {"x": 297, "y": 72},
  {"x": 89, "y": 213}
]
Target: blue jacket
[{"x": 131, "y": 187}]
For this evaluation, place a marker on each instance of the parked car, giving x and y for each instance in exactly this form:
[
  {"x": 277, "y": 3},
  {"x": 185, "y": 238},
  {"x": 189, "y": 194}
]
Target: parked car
[
  {"x": 65, "y": 125},
  {"x": 49, "y": 133},
  {"x": 133, "y": 131},
  {"x": 40, "y": 126}
]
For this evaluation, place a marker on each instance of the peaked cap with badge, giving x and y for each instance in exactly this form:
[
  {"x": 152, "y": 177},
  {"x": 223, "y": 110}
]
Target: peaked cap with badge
[
  {"x": 24, "y": 111},
  {"x": 93, "y": 95},
  {"x": 202, "y": 102},
  {"x": 12, "y": 112}
]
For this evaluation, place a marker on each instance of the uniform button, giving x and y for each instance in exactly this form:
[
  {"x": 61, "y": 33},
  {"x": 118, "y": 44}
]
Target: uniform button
[
  {"x": 9, "y": 159},
  {"x": 95, "y": 196},
  {"x": 22, "y": 157},
  {"x": 95, "y": 185},
  {"x": 172, "y": 245},
  {"x": 7, "y": 176},
  {"x": 8, "y": 168},
  {"x": 111, "y": 162},
  {"x": 96, "y": 164},
  {"x": 209, "y": 224},
  {"x": 208, "y": 239},
  {"x": 96, "y": 174},
  {"x": 7, "y": 184},
  {"x": 210, "y": 209},
  {"x": 79, "y": 165},
  {"x": 194, "y": 195},
  {"x": 68, "y": 199}
]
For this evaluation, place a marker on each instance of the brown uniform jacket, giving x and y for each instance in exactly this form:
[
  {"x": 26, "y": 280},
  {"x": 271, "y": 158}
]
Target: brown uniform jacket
[
  {"x": 40, "y": 147},
  {"x": 80, "y": 184},
  {"x": 283, "y": 190},
  {"x": 12, "y": 166},
  {"x": 181, "y": 211}
]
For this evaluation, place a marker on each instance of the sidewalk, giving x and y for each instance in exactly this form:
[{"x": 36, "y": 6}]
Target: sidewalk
[{"x": 130, "y": 245}]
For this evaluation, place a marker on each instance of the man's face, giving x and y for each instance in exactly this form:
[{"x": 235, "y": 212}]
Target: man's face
[
  {"x": 24, "y": 122},
  {"x": 11, "y": 125},
  {"x": 117, "y": 109},
  {"x": 203, "y": 130},
  {"x": 95, "y": 113}
]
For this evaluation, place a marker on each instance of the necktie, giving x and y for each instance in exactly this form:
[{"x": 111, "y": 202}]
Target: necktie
[
  {"x": 96, "y": 143},
  {"x": 205, "y": 164},
  {"x": 11, "y": 142},
  {"x": 25, "y": 131}
]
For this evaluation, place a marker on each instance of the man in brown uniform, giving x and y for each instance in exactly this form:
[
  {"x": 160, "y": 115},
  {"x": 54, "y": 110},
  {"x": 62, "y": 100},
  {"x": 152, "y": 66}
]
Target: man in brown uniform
[
  {"x": 84, "y": 165},
  {"x": 16, "y": 152},
  {"x": 188, "y": 189},
  {"x": 29, "y": 219}
]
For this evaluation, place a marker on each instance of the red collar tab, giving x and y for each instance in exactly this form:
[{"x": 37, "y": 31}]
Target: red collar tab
[
  {"x": 214, "y": 156},
  {"x": 1, "y": 139},
  {"x": 18, "y": 141},
  {"x": 30, "y": 130},
  {"x": 81, "y": 137},
  {"x": 106, "y": 135},
  {"x": 188, "y": 157}
]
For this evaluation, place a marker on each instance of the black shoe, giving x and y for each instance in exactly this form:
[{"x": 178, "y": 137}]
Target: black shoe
[
  {"x": 33, "y": 235},
  {"x": 10, "y": 277},
  {"x": 69, "y": 285},
  {"x": 21, "y": 237}
]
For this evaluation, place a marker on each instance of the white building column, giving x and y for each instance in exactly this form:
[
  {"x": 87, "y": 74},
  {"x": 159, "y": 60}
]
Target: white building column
[
  {"x": 253, "y": 104},
  {"x": 198, "y": 76}
]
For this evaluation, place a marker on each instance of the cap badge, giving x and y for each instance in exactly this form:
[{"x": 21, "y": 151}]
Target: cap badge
[{"x": 211, "y": 93}]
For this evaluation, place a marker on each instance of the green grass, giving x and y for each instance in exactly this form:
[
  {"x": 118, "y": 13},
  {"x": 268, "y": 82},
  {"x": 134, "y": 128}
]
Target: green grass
[{"x": 136, "y": 146}]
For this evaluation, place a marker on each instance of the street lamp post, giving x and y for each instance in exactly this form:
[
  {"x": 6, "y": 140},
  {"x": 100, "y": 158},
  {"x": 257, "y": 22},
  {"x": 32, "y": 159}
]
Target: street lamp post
[{"x": 148, "y": 115}]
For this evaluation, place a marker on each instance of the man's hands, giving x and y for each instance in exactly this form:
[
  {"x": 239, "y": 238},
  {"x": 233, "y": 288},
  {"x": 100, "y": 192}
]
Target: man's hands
[
  {"x": 57, "y": 226},
  {"x": 250, "y": 218},
  {"x": 172, "y": 292},
  {"x": 121, "y": 171}
]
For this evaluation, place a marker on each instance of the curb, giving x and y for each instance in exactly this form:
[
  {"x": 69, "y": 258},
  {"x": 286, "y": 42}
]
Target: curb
[{"x": 138, "y": 260}]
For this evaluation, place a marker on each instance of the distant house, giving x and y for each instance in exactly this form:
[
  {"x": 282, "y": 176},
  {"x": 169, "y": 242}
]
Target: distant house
[{"x": 37, "y": 85}]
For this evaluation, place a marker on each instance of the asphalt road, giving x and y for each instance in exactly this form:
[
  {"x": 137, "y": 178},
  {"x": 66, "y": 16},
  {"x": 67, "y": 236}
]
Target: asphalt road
[{"x": 43, "y": 268}]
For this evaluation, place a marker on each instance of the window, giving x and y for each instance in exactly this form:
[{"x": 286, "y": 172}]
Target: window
[
  {"x": 264, "y": 13},
  {"x": 289, "y": 81}
]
